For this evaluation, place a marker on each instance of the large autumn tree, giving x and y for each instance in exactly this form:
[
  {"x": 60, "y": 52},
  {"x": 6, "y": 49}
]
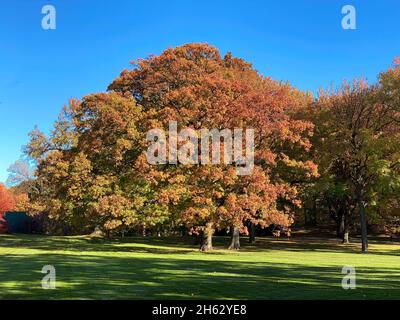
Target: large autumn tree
[
  {"x": 196, "y": 87},
  {"x": 92, "y": 169}
]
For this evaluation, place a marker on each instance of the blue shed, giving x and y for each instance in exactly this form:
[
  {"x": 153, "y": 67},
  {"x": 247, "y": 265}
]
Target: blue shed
[{"x": 18, "y": 222}]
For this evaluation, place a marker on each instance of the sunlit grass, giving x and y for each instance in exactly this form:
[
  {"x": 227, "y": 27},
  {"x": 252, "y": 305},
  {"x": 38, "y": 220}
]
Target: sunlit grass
[{"x": 173, "y": 268}]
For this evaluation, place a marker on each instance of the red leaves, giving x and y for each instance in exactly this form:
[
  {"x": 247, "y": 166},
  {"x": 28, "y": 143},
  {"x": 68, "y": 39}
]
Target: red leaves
[{"x": 7, "y": 202}]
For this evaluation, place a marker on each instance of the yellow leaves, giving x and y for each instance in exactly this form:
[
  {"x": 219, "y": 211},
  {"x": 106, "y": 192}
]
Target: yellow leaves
[
  {"x": 202, "y": 201},
  {"x": 195, "y": 214},
  {"x": 100, "y": 186},
  {"x": 218, "y": 194},
  {"x": 312, "y": 169},
  {"x": 122, "y": 145},
  {"x": 112, "y": 224},
  {"x": 230, "y": 177},
  {"x": 177, "y": 179},
  {"x": 171, "y": 195},
  {"x": 36, "y": 207},
  {"x": 297, "y": 203},
  {"x": 266, "y": 155},
  {"x": 22, "y": 202},
  {"x": 223, "y": 211},
  {"x": 230, "y": 201},
  {"x": 54, "y": 207},
  {"x": 117, "y": 210}
]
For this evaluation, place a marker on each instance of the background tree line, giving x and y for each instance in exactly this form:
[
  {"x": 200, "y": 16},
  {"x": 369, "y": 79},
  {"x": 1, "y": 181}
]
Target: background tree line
[{"x": 335, "y": 154}]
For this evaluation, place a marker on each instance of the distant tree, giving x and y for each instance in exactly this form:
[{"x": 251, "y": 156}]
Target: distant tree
[
  {"x": 361, "y": 126},
  {"x": 7, "y": 202},
  {"x": 20, "y": 171}
]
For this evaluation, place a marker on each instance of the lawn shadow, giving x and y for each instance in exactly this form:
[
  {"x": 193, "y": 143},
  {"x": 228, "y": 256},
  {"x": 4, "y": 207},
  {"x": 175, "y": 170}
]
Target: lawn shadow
[
  {"x": 182, "y": 245},
  {"x": 94, "y": 277}
]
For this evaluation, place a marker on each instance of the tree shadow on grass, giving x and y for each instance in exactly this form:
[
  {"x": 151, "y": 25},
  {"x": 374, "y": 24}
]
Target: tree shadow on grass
[
  {"x": 314, "y": 245},
  {"x": 95, "y": 277},
  {"x": 86, "y": 244},
  {"x": 179, "y": 245}
]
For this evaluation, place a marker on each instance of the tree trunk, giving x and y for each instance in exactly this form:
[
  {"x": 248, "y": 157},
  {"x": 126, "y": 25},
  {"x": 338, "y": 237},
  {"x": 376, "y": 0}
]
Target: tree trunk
[
  {"x": 252, "y": 232},
  {"x": 235, "y": 243},
  {"x": 345, "y": 237},
  {"x": 363, "y": 218},
  {"x": 207, "y": 237},
  {"x": 340, "y": 224}
]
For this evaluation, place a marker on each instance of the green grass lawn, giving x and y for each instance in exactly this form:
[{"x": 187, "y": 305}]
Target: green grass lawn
[{"x": 173, "y": 268}]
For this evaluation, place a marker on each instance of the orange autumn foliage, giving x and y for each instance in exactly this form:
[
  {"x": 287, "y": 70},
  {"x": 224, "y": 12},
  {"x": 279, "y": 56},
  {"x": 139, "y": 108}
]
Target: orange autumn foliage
[
  {"x": 195, "y": 86},
  {"x": 7, "y": 202}
]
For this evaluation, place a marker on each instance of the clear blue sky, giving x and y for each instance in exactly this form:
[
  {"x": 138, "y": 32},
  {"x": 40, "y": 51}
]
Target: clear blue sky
[{"x": 299, "y": 41}]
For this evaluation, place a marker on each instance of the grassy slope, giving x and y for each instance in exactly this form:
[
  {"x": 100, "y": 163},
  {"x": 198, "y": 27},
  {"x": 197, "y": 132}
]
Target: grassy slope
[{"x": 152, "y": 268}]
